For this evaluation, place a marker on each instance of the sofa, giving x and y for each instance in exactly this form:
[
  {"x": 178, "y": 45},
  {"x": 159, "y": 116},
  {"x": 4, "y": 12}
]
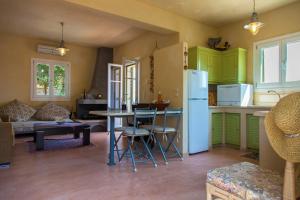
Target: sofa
[
  {"x": 24, "y": 117},
  {"x": 6, "y": 141}
]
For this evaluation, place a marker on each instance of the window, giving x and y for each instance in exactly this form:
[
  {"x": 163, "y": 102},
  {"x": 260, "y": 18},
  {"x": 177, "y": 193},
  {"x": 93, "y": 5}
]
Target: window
[
  {"x": 277, "y": 63},
  {"x": 131, "y": 82},
  {"x": 50, "y": 80}
]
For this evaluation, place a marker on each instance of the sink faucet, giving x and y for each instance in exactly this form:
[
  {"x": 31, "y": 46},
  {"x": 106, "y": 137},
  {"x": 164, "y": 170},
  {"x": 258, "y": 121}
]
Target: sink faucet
[{"x": 273, "y": 91}]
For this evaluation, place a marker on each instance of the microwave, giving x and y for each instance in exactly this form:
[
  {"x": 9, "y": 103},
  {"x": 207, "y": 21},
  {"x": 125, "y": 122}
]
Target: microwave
[{"x": 235, "y": 95}]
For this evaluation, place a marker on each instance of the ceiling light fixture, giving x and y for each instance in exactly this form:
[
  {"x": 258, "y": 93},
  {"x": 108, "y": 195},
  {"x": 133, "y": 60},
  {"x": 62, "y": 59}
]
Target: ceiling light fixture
[
  {"x": 254, "y": 25},
  {"x": 62, "y": 49}
]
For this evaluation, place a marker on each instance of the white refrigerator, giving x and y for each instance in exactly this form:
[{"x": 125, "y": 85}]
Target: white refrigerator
[{"x": 197, "y": 111}]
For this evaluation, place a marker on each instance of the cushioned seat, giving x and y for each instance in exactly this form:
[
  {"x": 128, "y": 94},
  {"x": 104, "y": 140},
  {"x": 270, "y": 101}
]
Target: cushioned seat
[
  {"x": 246, "y": 181},
  {"x": 131, "y": 131},
  {"x": 164, "y": 130},
  {"x": 160, "y": 129},
  {"x": 28, "y": 126},
  {"x": 120, "y": 129},
  {"x": 148, "y": 127}
]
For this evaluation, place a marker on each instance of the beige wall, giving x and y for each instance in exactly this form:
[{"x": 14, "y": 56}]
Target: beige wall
[
  {"x": 142, "y": 47},
  {"x": 278, "y": 22},
  {"x": 15, "y": 70},
  {"x": 168, "y": 80}
]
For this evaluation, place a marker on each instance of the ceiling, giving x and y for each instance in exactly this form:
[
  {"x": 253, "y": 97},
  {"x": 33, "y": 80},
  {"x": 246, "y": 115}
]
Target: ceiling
[
  {"x": 41, "y": 18},
  {"x": 217, "y": 12}
]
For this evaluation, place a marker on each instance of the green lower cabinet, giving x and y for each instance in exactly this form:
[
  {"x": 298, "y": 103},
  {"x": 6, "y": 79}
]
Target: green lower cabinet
[
  {"x": 232, "y": 129},
  {"x": 252, "y": 132},
  {"x": 217, "y": 128}
]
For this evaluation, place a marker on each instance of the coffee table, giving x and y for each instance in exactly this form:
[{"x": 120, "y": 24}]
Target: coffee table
[{"x": 43, "y": 129}]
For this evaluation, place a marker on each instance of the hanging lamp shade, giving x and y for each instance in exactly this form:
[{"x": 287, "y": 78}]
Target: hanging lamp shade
[
  {"x": 62, "y": 49},
  {"x": 254, "y": 25}
]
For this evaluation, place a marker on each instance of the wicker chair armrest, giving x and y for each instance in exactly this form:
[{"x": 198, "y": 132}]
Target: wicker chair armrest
[{"x": 5, "y": 118}]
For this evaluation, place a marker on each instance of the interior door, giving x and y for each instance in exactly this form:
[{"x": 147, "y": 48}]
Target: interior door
[{"x": 115, "y": 90}]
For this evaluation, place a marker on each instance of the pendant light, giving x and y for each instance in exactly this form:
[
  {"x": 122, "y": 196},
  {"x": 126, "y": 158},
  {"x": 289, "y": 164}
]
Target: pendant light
[
  {"x": 62, "y": 49},
  {"x": 254, "y": 25}
]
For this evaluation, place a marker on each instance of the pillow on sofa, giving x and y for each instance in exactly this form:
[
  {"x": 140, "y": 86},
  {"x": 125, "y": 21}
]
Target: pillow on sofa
[
  {"x": 51, "y": 112},
  {"x": 17, "y": 111}
]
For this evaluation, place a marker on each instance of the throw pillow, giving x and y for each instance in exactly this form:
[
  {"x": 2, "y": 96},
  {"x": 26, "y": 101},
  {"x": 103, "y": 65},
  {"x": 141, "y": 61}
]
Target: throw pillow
[
  {"x": 17, "y": 111},
  {"x": 51, "y": 112}
]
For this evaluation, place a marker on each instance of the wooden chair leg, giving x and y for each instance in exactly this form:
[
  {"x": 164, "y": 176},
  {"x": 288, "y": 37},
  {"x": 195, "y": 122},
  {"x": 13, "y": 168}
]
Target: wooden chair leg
[
  {"x": 289, "y": 184},
  {"x": 208, "y": 194}
]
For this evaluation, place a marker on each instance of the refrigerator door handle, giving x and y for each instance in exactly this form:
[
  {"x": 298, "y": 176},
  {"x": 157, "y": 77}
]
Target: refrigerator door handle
[{"x": 198, "y": 99}]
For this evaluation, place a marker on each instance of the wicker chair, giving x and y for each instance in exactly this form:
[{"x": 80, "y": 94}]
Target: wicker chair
[{"x": 6, "y": 141}]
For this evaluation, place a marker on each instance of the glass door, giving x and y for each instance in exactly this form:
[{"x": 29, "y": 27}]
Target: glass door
[
  {"x": 131, "y": 81},
  {"x": 115, "y": 88}
]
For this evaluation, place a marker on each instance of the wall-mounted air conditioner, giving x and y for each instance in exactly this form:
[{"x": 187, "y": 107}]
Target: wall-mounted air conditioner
[{"x": 47, "y": 50}]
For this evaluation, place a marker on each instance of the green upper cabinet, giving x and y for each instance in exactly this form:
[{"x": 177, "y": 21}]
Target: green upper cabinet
[
  {"x": 193, "y": 58},
  {"x": 214, "y": 68},
  {"x": 200, "y": 57},
  {"x": 223, "y": 67},
  {"x": 234, "y": 66}
]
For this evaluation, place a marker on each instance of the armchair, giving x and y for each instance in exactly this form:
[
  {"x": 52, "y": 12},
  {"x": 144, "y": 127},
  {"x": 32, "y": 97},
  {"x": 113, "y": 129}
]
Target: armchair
[{"x": 6, "y": 141}]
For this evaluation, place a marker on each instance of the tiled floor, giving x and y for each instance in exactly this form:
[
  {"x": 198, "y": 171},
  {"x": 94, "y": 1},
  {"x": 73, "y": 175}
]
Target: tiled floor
[{"x": 82, "y": 173}]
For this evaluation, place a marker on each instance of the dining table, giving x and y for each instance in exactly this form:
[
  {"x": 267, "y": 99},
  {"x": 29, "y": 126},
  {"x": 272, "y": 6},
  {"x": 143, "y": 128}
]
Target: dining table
[{"x": 112, "y": 115}]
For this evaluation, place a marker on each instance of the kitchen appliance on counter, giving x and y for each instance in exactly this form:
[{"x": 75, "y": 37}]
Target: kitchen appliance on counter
[
  {"x": 235, "y": 95},
  {"x": 197, "y": 83}
]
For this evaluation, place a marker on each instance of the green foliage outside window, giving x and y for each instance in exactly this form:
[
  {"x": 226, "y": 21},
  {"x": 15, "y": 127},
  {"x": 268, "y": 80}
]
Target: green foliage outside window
[
  {"x": 43, "y": 79},
  {"x": 59, "y": 80}
]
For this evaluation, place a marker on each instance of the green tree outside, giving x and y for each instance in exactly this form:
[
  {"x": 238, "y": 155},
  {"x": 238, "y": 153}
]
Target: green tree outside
[
  {"x": 43, "y": 79},
  {"x": 59, "y": 80}
]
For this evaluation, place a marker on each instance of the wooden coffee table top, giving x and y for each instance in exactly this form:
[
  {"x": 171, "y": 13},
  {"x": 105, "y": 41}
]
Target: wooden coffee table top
[{"x": 46, "y": 126}]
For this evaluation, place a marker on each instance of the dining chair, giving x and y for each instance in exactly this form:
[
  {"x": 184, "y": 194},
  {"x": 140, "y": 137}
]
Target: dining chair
[
  {"x": 136, "y": 132},
  {"x": 169, "y": 132},
  {"x": 130, "y": 123},
  {"x": 141, "y": 121}
]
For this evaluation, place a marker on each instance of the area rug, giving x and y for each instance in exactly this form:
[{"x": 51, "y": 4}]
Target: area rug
[
  {"x": 58, "y": 143},
  {"x": 252, "y": 155}
]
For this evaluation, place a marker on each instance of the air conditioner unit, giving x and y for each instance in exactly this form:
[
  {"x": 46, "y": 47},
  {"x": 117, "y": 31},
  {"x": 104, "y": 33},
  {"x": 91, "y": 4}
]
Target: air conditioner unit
[{"x": 47, "y": 50}]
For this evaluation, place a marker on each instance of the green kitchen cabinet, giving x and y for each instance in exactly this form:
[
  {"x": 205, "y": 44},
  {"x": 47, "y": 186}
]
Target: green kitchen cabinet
[
  {"x": 205, "y": 59},
  {"x": 193, "y": 58},
  {"x": 234, "y": 63},
  {"x": 214, "y": 68},
  {"x": 217, "y": 128},
  {"x": 232, "y": 128},
  {"x": 223, "y": 66},
  {"x": 199, "y": 58},
  {"x": 252, "y": 132}
]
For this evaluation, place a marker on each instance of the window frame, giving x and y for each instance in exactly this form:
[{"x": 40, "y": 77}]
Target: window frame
[
  {"x": 257, "y": 57},
  {"x": 127, "y": 63},
  {"x": 51, "y": 96}
]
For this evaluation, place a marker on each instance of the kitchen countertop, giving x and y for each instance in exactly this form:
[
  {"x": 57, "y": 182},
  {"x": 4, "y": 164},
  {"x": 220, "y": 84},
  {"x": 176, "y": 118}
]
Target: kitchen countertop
[
  {"x": 260, "y": 113},
  {"x": 241, "y": 107}
]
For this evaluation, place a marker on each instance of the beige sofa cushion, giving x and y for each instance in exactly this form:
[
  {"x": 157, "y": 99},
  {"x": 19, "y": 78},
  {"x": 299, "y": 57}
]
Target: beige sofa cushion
[
  {"x": 17, "y": 111},
  {"x": 51, "y": 112}
]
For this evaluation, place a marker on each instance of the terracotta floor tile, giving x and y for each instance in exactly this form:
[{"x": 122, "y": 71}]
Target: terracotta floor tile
[{"x": 82, "y": 173}]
